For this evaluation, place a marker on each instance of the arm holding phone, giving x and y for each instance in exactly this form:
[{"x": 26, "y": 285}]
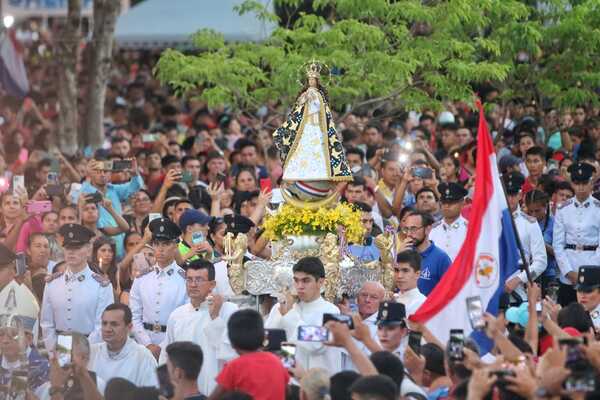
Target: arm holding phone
[
  {"x": 122, "y": 225},
  {"x": 342, "y": 338},
  {"x": 171, "y": 177}
]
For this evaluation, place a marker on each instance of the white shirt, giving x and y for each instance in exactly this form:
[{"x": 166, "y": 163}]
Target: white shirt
[
  {"x": 371, "y": 323},
  {"x": 308, "y": 354},
  {"x": 449, "y": 237},
  {"x": 134, "y": 362},
  {"x": 187, "y": 323},
  {"x": 223, "y": 287},
  {"x": 534, "y": 247},
  {"x": 153, "y": 297},
  {"x": 74, "y": 302},
  {"x": 412, "y": 300},
  {"x": 576, "y": 223}
]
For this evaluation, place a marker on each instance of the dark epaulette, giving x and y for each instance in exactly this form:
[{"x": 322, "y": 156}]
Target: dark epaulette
[
  {"x": 50, "y": 278},
  {"x": 181, "y": 273},
  {"x": 436, "y": 224},
  {"x": 103, "y": 281},
  {"x": 566, "y": 203},
  {"x": 529, "y": 218}
]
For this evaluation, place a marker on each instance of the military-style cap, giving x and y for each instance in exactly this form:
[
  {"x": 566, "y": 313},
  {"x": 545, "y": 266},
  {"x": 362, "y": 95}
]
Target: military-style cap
[
  {"x": 237, "y": 223},
  {"x": 581, "y": 172},
  {"x": 450, "y": 191},
  {"x": 164, "y": 229},
  {"x": 391, "y": 314},
  {"x": 75, "y": 235},
  {"x": 513, "y": 182},
  {"x": 588, "y": 278},
  {"x": 6, "y": 255}
]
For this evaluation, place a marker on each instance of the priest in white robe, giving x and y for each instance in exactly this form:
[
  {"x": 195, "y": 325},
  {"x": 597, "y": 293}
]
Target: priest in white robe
[
  {"x": 118, "y": 356},
  {"x": 307, "y": 309},
  {"x": 202, "y": 321}
]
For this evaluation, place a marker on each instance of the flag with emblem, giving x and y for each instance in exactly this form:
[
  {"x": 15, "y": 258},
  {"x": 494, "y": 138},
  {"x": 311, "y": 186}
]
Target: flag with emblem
[{"x": 487, "y": 257}]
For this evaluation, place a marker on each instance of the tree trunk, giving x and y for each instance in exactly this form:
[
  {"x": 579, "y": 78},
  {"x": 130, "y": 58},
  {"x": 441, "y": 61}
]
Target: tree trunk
[
  {"x": 67, "y": 55},
  {"x": 100, "y": 62}
]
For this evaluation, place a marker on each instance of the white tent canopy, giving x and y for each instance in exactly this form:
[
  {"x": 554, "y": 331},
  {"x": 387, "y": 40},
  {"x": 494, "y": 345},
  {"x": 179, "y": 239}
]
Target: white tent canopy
[{"x": 166, "y": 23}]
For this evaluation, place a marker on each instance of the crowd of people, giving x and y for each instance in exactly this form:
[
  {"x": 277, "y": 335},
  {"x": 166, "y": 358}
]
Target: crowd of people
[{"x": 118, "y": 253}]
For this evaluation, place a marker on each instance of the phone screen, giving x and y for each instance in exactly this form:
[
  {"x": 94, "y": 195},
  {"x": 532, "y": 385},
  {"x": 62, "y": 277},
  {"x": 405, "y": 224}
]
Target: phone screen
[
  {"x": 288, "y": 355},
  {"x": 414, "y": 341},
  {"x": 197, "y": 237},
  {"x": 456, "y": 344},
  {"x": 64, "y": 345},
  {"x": 165, "y": 386},
  {"x": 475, "y": 312},
  {"x": 265, "y": 184},
  {"x": 346, "y": 319},
  {"x": 186, "y": 177},
  {"x": 311, "y": 333},
  {"x": 21, "y": 264},
  {"x": 18, "y": 181}
]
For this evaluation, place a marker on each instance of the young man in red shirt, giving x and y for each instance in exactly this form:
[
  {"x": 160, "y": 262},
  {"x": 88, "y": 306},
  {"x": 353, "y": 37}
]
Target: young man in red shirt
[{"x": 260, "y": 374}]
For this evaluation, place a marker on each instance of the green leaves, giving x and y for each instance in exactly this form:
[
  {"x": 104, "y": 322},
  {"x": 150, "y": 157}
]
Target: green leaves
[{"x": 409, "y": 53}]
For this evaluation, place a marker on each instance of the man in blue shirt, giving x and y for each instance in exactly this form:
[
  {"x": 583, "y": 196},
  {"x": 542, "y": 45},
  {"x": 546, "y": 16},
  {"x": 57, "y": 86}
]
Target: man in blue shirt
[
  {"x": 98, "y": 180},
  {"x": 416, "y": 227},
  {"x": 366, "y": 251}
]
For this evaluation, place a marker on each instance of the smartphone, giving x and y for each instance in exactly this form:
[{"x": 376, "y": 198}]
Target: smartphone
[
  {"x": 54, "y": 165},
  {"x": 121, "y": 165},
  {"x": 221, "y": 177},
  {"x": 422, "y": 172},
  {"x": 313, "y": 333},
  {"x": 153, "y": 216},
  {"x": 95, "y": 197},
  {"x": 456, "y": 344},
  {"x": 475, "y": 312},
  {"x": 197, "y": 237},
  {"x": 288, "y": 355},
  {"x": 186, "y": 177},
  {"x": 552, "y": 291},
  {"x": 149, "y": 137},
  {"x": 414, "y": 341},
  {"x": 18, "y": 181},
  {"x": 581, "y": 381},
  {"x": 346, "y": 319},
  {"x": 575, "y": 359},
  {"x": 21, "y": 264},
  {"x": 265, "y": 184},
  {"x": 64, "y": 345},
  {"x": 54, "y": 189},
  {"x": 107, "y": 165},
  {"x": 165, "y": 387},
  {"x": 141, "y": 262},
  {"x": 501, "y": 374},
  {"x": 274, "y": 338},
  {"x": 39, "y": 207},
  {"x": 52, "y": 178}
]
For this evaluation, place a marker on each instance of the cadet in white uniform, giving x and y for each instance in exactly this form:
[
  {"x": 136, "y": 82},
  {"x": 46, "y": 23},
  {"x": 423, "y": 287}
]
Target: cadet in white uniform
[
  {"x": 588, "y": 291},
  {"x": 449, "y": 233},
  {"x": 202, "y": 321},
  {"x": 155, "y": 294},
  {"x": 576, "y": 231},
  {"x": 74, "y": 301},
  {"x": 530, "y": 235}
]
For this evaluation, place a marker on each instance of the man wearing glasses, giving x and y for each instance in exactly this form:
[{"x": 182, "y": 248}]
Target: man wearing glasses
[
  {"x": 202, "y": 321},
  {"x": 416, "y": 227},
  {"x": 155, "y": 294}
]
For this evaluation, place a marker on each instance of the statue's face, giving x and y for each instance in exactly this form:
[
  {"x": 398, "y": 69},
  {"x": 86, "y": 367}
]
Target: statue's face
[{"x": 312, "y": 82}]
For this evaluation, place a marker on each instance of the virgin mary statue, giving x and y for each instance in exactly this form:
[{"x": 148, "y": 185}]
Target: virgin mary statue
[{"x": 310, "y": 149}]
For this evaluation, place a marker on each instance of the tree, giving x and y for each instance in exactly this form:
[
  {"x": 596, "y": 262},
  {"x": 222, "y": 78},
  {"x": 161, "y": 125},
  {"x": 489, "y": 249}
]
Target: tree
[
  {"x": 100, "y": 62},
  {"x": 408, "y": 54},
  {"x": 66, "y": 50}
]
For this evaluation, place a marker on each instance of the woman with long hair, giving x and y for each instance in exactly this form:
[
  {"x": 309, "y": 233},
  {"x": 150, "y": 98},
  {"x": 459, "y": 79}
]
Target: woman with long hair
[{"x": 104, "y": 260}]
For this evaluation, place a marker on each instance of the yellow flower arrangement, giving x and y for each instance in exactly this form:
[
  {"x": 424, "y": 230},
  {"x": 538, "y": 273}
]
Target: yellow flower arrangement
[{"x": 290, "y": 220}]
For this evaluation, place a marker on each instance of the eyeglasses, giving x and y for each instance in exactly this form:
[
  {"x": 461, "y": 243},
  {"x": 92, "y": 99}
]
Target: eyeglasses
[
  {"x": 366, "y": 221},
  {"x": 410, "y": 229},
  {"x": 196, "y": 281}
]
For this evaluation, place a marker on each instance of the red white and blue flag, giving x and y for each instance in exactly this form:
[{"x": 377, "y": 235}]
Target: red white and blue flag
[
  {"x": 13, "y": 75},
  {"x": 486, "y": 259}
]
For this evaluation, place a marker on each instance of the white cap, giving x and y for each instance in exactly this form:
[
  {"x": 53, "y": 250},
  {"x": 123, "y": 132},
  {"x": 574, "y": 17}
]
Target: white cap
[{"x": 446, "y": 117}]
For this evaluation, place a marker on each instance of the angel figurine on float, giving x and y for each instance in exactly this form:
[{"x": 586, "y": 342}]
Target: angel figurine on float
[{"x": 311, "y": 151}]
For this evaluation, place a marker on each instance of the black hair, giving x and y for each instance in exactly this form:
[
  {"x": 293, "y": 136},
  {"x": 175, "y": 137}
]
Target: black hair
[
  {"x": 200, "y": 264},
  {"x": 46, "y": 162},
  {"x": 575, "y": 316},
  {"x": 425, "y": 190},
  {"x": 339, "y": 385},
  {"x": 358, "y": 181},
  {"x": 564, "y": 185},
  {"x": 536, "y": 196},
  {"x": 185, "y": 159},
  {"x": 434, "y": 358},
  {"x": 169, "y": 159},
  {"x": 426, "y": 218},
  {"x": 243, "y": 143},
  {"x": 311, "y": 266},
  {"x": 187, "y": 356},
  {"x": 378, "y": 387},
  {"x": 246, "y": 330},
  {"x": 410, "y": 257},
  {"x": 236, "y": 395},
  {"x": 364, "y": 207},
  {"x": 127, "y": 317},
  {"x": 357, "y": 151},
  {"x": 117, "y": 388},
  {"x": 536, "y": 151},
  {"x": 388, "y": 364}
]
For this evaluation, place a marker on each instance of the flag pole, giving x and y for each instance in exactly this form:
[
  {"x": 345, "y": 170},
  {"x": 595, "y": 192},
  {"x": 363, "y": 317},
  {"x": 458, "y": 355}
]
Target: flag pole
[{"x": 479, "y": 105}]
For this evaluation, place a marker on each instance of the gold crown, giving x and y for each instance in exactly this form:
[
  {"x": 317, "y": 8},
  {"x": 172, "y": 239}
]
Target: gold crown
[{"x": 313, "y": 70}]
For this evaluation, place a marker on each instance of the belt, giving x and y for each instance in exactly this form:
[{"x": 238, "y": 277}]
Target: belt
[
  {"x": 580, "y": 247},
  {"x": 156, "y": 328}
]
